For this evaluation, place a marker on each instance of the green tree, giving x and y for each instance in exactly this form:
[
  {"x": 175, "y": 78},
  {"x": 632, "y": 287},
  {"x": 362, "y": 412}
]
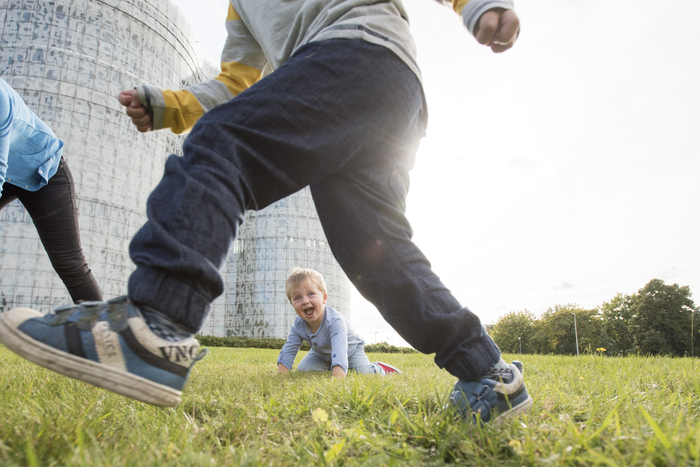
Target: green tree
[
  {"x": 543, "y": 340},
  {"x": 616, "y": 315},
  {"x": 661, "y": 317},
  {"x": 695, "y": 326},
  {"x": 511, "y": 327},
  {"x": 555, "y": 331}
]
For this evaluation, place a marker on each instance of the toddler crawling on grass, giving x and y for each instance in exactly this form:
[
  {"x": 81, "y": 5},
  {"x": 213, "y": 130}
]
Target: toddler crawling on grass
[{"x": 335, "y": 346}]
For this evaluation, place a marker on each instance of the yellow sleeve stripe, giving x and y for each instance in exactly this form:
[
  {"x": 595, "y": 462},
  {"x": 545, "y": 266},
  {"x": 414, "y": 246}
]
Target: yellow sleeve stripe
[
  {"x": 232, "y": 13},
  {"x": 459, "y": 5},
  {"x": 183, "y": 109},
  {"x": 238, "y": 77},
  {"x": 174, "y": 117}
]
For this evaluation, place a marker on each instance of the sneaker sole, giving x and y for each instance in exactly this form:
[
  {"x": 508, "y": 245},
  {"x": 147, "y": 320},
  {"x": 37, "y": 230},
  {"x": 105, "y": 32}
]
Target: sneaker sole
[
  {"x": 95, "y": 373},
  {"x": 516, "y": 411}
]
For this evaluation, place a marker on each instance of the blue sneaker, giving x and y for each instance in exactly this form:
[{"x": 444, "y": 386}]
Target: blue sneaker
[
  {"x": 108, "y": 344},
  {"x": 520, "y": 366},
  {"x": 496, "y": 396}
]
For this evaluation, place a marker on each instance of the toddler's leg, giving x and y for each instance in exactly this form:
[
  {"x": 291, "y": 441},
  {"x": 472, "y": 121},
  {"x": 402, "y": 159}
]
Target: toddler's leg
[
  {"x": 313, "y": 362},
  {"x": 359, "y": 362}
]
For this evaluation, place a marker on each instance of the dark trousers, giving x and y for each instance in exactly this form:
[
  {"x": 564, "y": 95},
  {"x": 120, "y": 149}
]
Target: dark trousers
[
  {"x": 346, "y": 118},
  {"x": 54, "y": 213}
]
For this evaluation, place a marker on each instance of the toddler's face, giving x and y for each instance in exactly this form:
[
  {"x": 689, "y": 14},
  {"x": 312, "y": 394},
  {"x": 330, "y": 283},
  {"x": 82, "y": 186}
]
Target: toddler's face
[{"x": 309, "y": 302}]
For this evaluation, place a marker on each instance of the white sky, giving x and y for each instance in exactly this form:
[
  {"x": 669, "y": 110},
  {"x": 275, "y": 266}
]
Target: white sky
[{"x": 562, "y": 171}]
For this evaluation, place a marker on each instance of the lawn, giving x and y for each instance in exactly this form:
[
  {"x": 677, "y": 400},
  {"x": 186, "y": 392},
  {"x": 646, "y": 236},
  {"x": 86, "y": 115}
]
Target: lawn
[{"x": 237, "y": 411}]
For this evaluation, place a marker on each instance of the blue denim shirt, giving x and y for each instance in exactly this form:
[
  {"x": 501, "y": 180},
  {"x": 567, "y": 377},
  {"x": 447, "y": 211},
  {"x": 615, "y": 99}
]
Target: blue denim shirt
[
  {"x": 334, "y": 340},
  {"x": 30, "y": 152}
]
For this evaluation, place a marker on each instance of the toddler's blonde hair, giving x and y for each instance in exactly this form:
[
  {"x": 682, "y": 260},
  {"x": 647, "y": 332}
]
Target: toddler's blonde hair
[{"x": 300, "y": 275}]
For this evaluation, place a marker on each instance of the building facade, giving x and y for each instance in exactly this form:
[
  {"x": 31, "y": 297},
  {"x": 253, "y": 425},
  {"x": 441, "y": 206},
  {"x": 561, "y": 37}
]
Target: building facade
[{"x": 69, "y": 59}]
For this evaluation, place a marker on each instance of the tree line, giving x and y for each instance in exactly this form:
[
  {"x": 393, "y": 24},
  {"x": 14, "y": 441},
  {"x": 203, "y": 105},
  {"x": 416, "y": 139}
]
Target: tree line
[{"x": 659, "y": 319}]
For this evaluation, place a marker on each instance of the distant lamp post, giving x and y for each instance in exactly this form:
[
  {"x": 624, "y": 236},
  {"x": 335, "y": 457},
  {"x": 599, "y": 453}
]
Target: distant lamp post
[
  {"x": 520, "y": 344},
  {"x": 576, "y": 333},
  {"x": 375, "y": 336}
]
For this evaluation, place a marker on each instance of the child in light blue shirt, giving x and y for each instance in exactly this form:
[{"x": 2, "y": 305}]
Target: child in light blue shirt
[
  {"x": 335, "y": 345},
  {"x": 33, "y": 171}
]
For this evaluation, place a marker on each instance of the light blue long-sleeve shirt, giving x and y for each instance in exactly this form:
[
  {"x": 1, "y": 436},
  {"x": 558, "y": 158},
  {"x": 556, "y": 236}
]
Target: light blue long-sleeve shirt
[
  {"x": 30, "y": 152},
  {"x": 334, "y": 341}
]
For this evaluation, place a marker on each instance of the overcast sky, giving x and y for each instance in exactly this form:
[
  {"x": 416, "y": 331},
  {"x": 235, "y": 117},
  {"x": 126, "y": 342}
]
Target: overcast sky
[{"x": 562, "y": 171}]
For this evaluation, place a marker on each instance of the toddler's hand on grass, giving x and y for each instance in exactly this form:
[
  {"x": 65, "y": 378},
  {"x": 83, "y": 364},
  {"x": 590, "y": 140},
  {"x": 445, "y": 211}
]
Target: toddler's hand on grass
[{"x": 338, "y": 372}]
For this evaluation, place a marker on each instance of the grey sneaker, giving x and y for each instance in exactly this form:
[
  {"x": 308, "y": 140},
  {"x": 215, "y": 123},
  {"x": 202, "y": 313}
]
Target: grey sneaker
[
  {"x": 496, "y": 396},
  {"x": 108, "y": 344}
]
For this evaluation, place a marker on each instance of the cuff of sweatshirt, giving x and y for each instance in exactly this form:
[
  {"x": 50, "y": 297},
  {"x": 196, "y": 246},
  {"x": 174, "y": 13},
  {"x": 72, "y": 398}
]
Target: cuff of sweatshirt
[
  {"x": 473, "y": 10},
  {"x": 152, "y": 98}
]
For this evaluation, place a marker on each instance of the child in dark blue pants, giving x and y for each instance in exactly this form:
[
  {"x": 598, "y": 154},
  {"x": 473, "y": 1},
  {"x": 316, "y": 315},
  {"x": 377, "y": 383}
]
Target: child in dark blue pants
[{"x": 342, "y": 112}]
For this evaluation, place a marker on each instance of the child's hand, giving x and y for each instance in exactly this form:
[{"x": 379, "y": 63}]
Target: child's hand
[
  {"x": 140, "y": 115},
  {"x": 498, "y": 29},
  {"x": 338, "y": 372}
]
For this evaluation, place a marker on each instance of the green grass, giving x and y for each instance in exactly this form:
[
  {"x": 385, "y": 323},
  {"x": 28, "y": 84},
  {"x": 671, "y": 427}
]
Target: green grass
[{"x": 237, "y": 411}]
